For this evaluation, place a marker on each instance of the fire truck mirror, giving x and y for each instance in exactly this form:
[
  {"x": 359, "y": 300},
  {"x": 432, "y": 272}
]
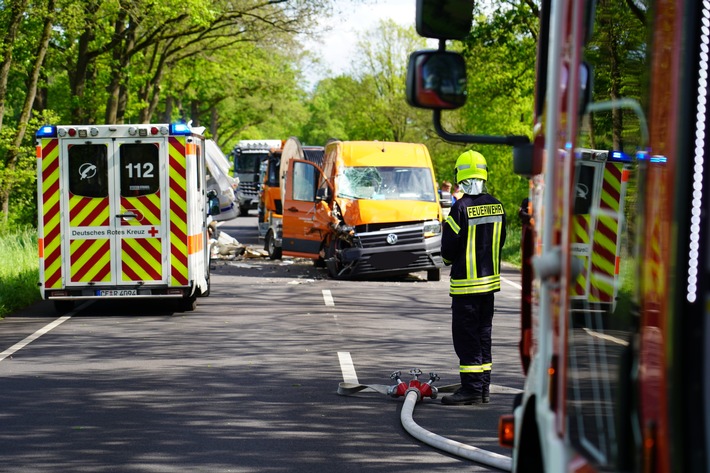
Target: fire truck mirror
[
  {"x": 444, "y": 19},
  {"x": 436, "y": 80},
  {"x": 523, "y": 162}
]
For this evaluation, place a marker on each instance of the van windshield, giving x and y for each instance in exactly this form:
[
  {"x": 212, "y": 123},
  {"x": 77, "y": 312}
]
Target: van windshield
[{"x": 386, "y": 183}]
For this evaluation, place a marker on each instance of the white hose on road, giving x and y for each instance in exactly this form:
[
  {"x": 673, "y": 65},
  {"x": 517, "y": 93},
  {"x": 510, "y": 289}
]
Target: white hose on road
[{"x": 451, "y": 446}]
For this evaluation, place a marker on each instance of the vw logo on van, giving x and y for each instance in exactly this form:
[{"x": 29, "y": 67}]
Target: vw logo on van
[{"x": 392, "y": 238}]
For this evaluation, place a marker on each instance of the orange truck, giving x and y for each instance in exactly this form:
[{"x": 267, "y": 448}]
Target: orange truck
[{"x": 370, "y": 210}]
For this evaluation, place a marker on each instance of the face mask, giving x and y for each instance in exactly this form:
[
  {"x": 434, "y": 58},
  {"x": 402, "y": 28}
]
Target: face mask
[{"x": 472, "y": 186}]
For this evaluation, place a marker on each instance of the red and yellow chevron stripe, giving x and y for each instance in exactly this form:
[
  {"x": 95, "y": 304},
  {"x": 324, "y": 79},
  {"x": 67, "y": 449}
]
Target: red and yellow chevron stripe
[
  {"x": 50, "y": 248},
  {"x": 88, "y": 211},
  {"x": 581, "y": 237},
  {"x": 604, "y": 268},
  {"x": 141, "y": 259},
  {"x": 177, "y": 178},
  {"x": 147, "y": 207},
  {"x": 90, "y": 260}
]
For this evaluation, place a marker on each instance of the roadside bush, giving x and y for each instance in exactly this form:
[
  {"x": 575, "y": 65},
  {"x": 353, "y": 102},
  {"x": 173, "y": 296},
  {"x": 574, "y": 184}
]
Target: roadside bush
[
  {"x": 511, "y": 249},
  {"x": 19, "y": 270}
]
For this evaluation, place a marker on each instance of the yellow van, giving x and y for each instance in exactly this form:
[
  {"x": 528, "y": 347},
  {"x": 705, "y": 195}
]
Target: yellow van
[{"x": 371, "y": 209}]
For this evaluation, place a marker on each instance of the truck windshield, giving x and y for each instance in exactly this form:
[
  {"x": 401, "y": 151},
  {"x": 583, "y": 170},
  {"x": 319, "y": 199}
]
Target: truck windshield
[
  {"x": 248, "y": 162},
  {"x": 386, "y": 183}
]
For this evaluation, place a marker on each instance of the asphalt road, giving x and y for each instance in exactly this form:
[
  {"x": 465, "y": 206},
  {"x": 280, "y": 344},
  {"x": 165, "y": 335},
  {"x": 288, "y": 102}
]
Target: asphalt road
[{"x": 248, "y": 381}]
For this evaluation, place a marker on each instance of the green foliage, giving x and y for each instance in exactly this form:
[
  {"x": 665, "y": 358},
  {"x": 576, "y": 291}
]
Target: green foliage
[
  {"x": 23, "y": 179},
  {"x": 19, "y": 273}
]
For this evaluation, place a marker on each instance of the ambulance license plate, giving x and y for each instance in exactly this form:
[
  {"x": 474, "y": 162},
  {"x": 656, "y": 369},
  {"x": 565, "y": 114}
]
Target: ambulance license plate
[{"x": 117, "y": 292}]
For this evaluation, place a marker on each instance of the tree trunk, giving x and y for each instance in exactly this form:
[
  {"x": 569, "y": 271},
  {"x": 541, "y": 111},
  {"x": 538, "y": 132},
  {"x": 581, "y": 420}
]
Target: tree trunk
[
  {"x": 14, "y": 151},
  {"x": 115, "y": 106},
  {"x": 168, "y": 115},
  {"x": 195, "y": 112},
  {"x": 214, "y": 121},
  {"x": 18, "y": 10}
]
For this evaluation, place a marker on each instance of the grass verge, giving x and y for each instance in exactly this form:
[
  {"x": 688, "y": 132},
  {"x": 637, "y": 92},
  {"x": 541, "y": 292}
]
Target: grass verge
[{"x": 19, "y": 271}]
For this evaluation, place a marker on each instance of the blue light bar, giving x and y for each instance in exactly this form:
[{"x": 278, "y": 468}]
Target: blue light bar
[
  {"x": 658, "y": 159},
  {"x": 179, "y": 129},
  {"x": 620, "y": 156},
  {"x": 47, "y": 131}
]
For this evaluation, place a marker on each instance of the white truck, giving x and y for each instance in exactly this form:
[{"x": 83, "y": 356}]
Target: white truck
[
  {"x": 123, "y": 213},
  {"x": 248, "y": 156}
]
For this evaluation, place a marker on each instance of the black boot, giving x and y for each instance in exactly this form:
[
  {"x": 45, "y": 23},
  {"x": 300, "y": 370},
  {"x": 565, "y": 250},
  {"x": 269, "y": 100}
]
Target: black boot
[
  {"x": 462, "y": 396},
  {"x": 486, "y": 396}
]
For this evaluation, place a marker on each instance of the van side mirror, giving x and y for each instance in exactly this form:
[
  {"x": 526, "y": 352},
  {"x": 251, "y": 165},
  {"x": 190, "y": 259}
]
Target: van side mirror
[
  {"x": 444, "y": 19},
  {"x": 436, "y": 80},
  {"x": 322, "y": 194},
  {"x": 213, "y": 203}
]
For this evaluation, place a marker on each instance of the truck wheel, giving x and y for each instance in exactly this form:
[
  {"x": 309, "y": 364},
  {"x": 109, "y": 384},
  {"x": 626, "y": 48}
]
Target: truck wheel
[
  {"x": 433, "y": 274},
  {"x": 62, "y": 307},
  {"x": 273, "y": 250}
]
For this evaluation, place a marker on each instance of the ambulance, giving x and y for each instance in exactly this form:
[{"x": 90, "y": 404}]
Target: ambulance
[
  {"x": 123, "y": 213},
  {"x": 601, "y": 180}
]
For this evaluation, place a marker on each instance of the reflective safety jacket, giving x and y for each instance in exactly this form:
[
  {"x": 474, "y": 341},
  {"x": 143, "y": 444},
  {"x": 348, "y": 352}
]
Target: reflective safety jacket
[{"x": 472, "y": 240}]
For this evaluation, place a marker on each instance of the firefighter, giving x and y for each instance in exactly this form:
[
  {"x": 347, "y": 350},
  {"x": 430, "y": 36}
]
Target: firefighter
[{"x": 472, "y": 240}]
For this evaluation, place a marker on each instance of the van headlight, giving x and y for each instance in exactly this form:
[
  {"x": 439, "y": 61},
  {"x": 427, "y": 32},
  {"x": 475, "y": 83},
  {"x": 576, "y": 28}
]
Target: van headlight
[{"x": 432, "y": 228}]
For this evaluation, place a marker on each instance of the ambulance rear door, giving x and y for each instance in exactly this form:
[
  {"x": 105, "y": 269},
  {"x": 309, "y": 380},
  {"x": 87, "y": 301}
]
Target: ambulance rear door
[{"x": 117, "y": 214}]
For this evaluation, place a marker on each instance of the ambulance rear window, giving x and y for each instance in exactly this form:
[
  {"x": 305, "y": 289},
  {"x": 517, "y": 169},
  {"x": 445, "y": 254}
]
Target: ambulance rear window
[
  {"x": 139, "y": 169},
  {"x": 88, "y": 170}
]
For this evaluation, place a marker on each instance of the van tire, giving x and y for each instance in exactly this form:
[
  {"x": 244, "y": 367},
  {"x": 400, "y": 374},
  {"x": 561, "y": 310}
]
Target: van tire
[
  {"x": 271, "y": 248},
  {"x": 188, "y": 304},
  {"x": 62, "y": 307},
  {"x": 433, "y": 274}
]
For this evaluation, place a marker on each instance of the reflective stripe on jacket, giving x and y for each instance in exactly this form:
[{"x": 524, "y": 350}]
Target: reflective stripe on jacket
[{"x": 472, "y": 239}]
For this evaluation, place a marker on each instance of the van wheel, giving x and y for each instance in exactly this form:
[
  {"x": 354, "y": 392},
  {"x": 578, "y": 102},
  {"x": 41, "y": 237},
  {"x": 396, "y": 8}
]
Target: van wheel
[
  {"x": 332, "y": 261},
  {"x": 188, "y": 304},
  {"x": 273, "y": 250},
  {"x": 243, "y": 211},
  {"x": 433, "y": 274},
  {"x": 62, "y": 307},
  {"x": 206, "y": 292}
]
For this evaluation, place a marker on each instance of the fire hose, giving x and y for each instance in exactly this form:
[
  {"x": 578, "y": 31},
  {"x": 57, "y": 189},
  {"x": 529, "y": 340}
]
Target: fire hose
[{"x": 413, "y": 393}]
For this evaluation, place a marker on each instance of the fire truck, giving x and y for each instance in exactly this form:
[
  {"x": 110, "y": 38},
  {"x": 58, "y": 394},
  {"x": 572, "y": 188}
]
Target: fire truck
[
  {"x": 123, "y": 213},
  {"x": 615, "y": 312}
]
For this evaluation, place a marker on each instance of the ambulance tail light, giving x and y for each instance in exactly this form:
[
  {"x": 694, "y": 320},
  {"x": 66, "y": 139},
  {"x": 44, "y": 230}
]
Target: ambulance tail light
[
  {"x": 179, "y": 129},
  {"x": 47, "y": 131},
  {"x": 154, "y": 130},
  {"x": 71, "y": 132},
  {"x": 93, "y": 131},
  {"x": 506, "y": 431}
]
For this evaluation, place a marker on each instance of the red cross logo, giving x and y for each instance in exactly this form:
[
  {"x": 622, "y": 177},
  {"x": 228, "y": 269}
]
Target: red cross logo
[{"x": 153, "y": 232}]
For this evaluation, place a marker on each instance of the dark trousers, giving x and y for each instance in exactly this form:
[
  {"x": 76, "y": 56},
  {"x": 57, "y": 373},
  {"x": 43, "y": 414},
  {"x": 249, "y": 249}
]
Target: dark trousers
[{"x": 471, "y": 327}]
